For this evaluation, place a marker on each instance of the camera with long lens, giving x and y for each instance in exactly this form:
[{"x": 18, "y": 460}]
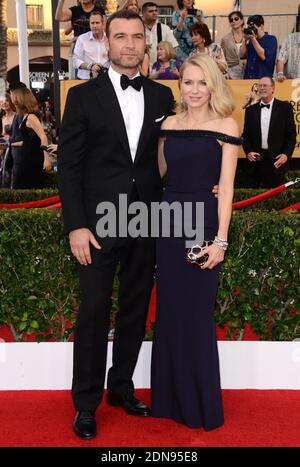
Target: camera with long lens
[{"x": 250, "y": 30}]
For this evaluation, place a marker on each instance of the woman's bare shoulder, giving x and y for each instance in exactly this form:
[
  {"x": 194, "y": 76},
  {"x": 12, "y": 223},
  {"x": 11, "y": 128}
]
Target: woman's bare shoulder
[
  {"x": 230, "y": 127},
  {"x": 170, "y": 123},
  {"x": 32, "y": 119}
]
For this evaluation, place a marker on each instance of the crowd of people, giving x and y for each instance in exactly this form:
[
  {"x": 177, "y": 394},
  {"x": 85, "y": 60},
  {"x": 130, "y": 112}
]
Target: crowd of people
[{"x": 247, "y": 51}]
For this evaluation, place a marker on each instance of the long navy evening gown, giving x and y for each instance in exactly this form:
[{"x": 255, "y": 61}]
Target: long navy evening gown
[{"x": 185, "y": 378}]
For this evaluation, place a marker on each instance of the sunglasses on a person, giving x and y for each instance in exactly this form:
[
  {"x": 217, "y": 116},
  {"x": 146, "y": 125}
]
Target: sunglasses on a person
[{"x": 236, "y": 18}]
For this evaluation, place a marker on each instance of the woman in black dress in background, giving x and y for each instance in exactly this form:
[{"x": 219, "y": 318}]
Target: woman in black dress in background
[
  {"x": 7, "y": 113},
  {"x": 198, "y": 149},
  {"x": 30, "y": 162}
]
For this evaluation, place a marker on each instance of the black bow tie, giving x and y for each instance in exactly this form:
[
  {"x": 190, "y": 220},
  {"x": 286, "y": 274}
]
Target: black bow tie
[
  {"x": 265, "y": 105},
  {"x": 136, "y": 83}
]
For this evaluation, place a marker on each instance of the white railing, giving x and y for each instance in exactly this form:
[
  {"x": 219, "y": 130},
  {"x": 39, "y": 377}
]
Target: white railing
[{"x": 279, "y": 25}]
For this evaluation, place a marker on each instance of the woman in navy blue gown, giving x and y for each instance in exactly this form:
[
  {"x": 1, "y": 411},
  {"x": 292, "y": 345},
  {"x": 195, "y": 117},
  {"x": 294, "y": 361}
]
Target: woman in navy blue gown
[{"x": 198, "y": 149}]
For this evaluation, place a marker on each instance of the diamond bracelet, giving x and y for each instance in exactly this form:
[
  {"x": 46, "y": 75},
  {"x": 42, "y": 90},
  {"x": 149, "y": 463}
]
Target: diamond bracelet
[{"x": 223, "y": 244}]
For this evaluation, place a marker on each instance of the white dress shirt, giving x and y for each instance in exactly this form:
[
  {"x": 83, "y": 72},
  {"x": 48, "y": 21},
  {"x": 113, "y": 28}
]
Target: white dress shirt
[
  {"x": 265, "y": 117},
  {"x": 89, "y": 50},
  {"x": 132, "y": 106},
  {"x": 151, "y": 39}
]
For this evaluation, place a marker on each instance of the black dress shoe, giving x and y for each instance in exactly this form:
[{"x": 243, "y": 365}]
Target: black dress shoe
[
  {"x": 85, "y": 424},
  {"x": 130, "y": 404}
]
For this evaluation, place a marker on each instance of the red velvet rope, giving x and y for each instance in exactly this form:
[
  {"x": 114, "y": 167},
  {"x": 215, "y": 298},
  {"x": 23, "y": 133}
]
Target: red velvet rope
[
  {"x": 57, "y": 205},
  {"x": 54, "y": 202},
  {"x": 257, "y": 198},
  {"x": 32, "y": 204},
  {"x": 293, "y": 207}
]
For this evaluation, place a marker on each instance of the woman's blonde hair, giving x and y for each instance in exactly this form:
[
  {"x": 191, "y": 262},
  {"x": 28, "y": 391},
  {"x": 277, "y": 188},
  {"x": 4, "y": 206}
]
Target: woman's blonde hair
[
  {"x": 25, "y": 101},
  {"x": 221, "y": 98},
  {"x": 124, "y": 5},
  {"x": 168, "y": 48}
]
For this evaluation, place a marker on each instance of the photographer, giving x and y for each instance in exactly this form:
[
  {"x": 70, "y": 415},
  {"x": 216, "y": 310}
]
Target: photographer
[
  {"x": 260, "y": 49},
  {"x": 90, "y": 53}
]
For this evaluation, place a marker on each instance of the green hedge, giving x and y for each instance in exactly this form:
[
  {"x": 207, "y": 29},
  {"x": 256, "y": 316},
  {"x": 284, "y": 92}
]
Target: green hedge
[
  {"x": 22, "y": 196},
  {"x": 259, "y": 284}
]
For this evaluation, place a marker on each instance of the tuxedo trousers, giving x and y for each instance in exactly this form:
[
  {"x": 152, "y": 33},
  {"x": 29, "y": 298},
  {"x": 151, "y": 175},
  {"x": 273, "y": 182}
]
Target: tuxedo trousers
[
  {"x": 134, "y": 259},
  {"x": 264, "y": 174}
]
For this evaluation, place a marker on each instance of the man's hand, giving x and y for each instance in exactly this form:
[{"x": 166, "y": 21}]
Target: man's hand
[
  {"x": 251, "y": 156},
  {"x": 281, "y": 159},
  {"x": 249, "y": 37},
  {"x": 52, "y": 149},
  {"x": 80, "y": 240},
  {"x": 96, "y": 68},
  {"x": 281, "y": 78}
]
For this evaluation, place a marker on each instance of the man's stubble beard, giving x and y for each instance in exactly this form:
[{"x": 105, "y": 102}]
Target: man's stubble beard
[{"x": 118, "y": 62}]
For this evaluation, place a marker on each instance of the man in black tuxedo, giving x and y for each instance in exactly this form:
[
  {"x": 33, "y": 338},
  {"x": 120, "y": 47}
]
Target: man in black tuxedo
[
  {"x": 269, "y": 137},
  {"x": 108, "y": 146}
]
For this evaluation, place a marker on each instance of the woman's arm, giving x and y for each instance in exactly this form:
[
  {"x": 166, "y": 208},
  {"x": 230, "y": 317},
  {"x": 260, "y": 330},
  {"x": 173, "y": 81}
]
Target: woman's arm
[
  {"x": 220, "y": 58},
  {"x": 166, "y": 125},
  {"x": 162, "y": 165},
  {"x": 179, "y": 25},
  {"x": 225, "y": 194},
  {"x": 226, "y": 183},
  {"x": 144, "y": 67},
  {"x": 34, "y": 123}
]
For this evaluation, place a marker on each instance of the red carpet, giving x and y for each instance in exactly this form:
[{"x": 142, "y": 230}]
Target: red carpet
[{"x": 252, "y": 418}]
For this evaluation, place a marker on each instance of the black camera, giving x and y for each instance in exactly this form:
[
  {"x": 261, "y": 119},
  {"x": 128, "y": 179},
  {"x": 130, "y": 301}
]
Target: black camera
[
  {"x": 251, "y": 29},
  {"x": 192, "y": 11}
]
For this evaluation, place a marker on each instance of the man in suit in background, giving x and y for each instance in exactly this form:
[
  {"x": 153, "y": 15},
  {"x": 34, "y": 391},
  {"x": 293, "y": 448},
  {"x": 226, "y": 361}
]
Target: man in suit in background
[
  {"x": 108, "y": 145},
  {"x": 269, "y": 137}
]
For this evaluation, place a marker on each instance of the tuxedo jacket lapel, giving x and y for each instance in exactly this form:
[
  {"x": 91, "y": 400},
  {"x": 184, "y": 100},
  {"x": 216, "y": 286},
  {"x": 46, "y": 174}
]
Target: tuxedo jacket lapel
[
  {"x": 149, "y": 117},
  {"x": 108, "y": 100}
]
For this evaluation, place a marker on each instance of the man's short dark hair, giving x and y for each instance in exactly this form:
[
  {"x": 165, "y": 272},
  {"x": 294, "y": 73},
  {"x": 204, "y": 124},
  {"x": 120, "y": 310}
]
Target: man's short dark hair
[
  {"x": 96, "y": 12},
  {"x": 148, "y": 5},
  {"x": 258, "y": 20},
  {"x": 122, "y": 14},
  {"x": 15, "y": 85}
]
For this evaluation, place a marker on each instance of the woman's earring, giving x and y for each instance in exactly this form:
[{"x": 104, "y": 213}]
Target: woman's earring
[{"x": 181, "y": 100}]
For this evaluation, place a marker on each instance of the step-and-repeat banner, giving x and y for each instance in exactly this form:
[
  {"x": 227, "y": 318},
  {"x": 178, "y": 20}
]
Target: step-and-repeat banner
[{"x": 245, "y": 93}]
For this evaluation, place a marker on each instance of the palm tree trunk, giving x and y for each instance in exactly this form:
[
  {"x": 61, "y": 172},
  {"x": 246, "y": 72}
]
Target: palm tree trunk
[{"x": 3, "y": 45}]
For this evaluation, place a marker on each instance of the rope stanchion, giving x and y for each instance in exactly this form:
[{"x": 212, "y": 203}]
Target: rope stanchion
[
  {"x": 265, "y": 195},
  {"x": 32, "y": 204}
]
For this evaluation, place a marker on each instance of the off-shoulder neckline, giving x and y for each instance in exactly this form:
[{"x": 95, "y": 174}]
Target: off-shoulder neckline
[{"x": 201, "y": 132}]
